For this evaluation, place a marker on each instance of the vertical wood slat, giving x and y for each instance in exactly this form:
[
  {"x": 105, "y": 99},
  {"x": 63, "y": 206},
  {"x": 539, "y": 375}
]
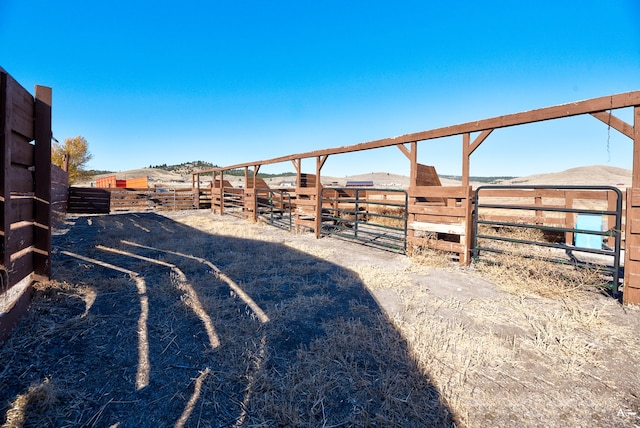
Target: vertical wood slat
[
  {"x": 20, "y": 120},
  {"x": 5, "y": 191},
  {"x": 42, "y": 161},
  {"x": 631, "y": 292}
]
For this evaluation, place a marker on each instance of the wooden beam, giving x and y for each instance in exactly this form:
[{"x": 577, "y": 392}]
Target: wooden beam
[
  {"x": 636, "y": 148},
  {"x": 404, "y": 150},
  {"x": 616, "y": 123},
  {"x": 479, "y": 140},
  {"x": 594, "y": 105},
  {"x": 296, "y": 164},
  {"x": 323, "y": 159}
]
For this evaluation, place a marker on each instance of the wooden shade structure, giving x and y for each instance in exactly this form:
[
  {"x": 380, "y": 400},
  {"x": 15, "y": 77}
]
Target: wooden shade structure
[{"x": 600, "y": 108}]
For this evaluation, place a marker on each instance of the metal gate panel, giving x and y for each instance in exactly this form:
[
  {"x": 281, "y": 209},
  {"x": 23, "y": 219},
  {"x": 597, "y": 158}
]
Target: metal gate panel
[
  {"x": 501, "y": 207},
  {"x": 274, "y": 208},
  {"x": 374, "y": 217}
]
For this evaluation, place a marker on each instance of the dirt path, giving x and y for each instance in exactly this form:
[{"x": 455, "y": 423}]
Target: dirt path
[{"x": 191, "y": 319}]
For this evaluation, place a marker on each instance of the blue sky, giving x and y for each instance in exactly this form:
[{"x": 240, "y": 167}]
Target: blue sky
[{"x": 236, "y": 81}]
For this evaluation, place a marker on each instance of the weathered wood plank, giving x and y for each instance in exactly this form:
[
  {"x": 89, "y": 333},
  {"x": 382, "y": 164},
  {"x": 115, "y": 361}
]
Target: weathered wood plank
[
  {"x": 453, "y": 229},
  {"x": 457, "y": 192},
  {"x": 445, "y": 211},
  {"x": 22, "y": 113},
  {"x": 20, "y": 237},
  {"x": 22, "y": 151},
  {"x": 20, "y": 179},
  {"x": 20, "y": 209},
  {"x": 88, "y": 200},
  {"x": 20, "y": 266}
]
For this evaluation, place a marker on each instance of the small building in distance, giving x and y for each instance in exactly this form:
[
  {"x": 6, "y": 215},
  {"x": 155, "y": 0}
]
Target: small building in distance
[{"x": 359, "y": 183}]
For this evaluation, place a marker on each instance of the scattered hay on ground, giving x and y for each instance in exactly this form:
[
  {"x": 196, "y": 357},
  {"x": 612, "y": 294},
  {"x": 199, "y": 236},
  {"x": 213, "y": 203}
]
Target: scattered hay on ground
[{"x": 348, "y": 335}]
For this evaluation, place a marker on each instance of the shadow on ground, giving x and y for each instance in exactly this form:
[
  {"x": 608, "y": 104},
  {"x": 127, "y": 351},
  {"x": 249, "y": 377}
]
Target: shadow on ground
[{"x": 151, "y": 323}]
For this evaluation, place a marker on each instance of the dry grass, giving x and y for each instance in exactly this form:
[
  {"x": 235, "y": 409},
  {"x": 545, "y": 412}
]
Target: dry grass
[
  {"x": 432, "y": 258},
  {"x": 154, "y": 324},
  {"x": 504, "y": 358},
  {"x": 526, "y": 269},
  {"x": 395, "y": 219},
  {"x": 504, "y": 352}
]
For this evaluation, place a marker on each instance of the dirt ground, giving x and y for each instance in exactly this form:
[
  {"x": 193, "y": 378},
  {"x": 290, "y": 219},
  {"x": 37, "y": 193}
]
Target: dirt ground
[{"x": 191, "y": 319}]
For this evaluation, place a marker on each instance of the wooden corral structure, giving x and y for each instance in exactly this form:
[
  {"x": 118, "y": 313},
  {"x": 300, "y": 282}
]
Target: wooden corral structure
[
  {"x": 437, "y": 211},
  {"x": 25, "y": 195}
]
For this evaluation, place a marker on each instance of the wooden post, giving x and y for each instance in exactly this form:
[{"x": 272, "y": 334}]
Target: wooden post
[
  {"x": 297, "y": 164},
  {"x": 212, "y": 190},
  {"x": 195, "y": 186},
  {"x": 244, "y": 191},
  {"x": 320, "y": 160},
  {"x": 635, "y": 181},
  {"x": 413, "y": 182},
  {"x": 42, "y": 183},
  {"x": 5, "y": 161},
  {"x": 413, "y": 168},
  {"x": 631, "y": 291},
  {"x": 221, "y": 192},
  {"x": 256, "y": 168},
  {"x": 466, "y": 142},
  {"x": 538, "y": 202},
  {"x": 569, "y": 218},
  {"x": 467, "y": 149}
]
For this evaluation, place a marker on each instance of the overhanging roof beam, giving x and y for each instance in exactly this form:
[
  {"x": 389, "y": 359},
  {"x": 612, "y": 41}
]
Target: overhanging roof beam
[{"x": 594, "y": 105}]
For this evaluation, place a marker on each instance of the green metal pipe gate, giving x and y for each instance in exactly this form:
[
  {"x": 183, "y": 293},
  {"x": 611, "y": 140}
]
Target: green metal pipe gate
[
  {"x": 374, "y": 217},
  {"x": 593, "y": 237}
]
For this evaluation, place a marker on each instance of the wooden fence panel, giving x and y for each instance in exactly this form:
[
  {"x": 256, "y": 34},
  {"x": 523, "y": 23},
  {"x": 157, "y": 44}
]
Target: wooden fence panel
[
  {"x": 440, "y": 218},
  {"x": 89, "y": 200},
  {"x": 86, "y": 200},
  {"x": 25, "y": 195}
]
